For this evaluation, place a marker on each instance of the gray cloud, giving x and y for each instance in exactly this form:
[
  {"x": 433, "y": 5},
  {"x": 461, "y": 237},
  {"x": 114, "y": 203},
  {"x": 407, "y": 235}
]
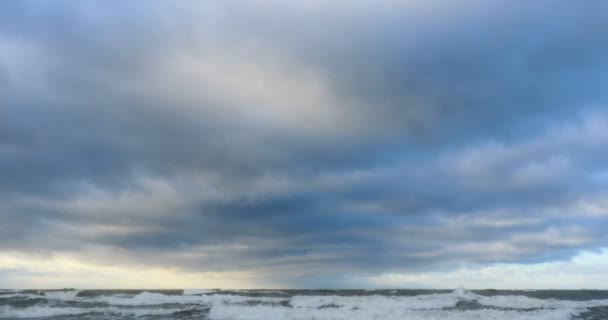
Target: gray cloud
[{"x": 356, "y": 137}]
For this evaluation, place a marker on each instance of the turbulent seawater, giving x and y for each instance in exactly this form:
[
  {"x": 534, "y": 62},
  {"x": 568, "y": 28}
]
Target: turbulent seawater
[{"x": 304, "y": 304}]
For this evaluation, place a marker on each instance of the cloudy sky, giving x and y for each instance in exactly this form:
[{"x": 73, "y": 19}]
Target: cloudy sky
[{"x": 268, "y": 143}]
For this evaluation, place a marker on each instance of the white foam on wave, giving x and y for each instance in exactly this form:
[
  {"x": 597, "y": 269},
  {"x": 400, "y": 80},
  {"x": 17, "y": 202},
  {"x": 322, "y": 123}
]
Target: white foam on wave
[
  {"x": 523, "y": 302},
  {"x": 427, "y": 301},
  {"x": 266, "y": 291},
  {"x": 421, "y": 307},
  {"x": 368, "y": 312},
  {"x": 47, "y": 311},
  {"x": 22, "y": 295},
  {"x": 39, "y": 312},
  {"x": 150, "y": 298},
  {"x": 463, "y": 294},
  {"x": 51, "y": 295},
  {"x": 147, "y": 299},
  {"x": 230, "y": 299},
  {"x": 62, "y": 295},
  {"x": 242, "y": 307},
  {"x": 190, "y": 292}
]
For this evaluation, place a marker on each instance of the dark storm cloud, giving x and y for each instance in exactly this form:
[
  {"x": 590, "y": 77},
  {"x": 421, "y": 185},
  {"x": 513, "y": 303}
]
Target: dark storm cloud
[{"x": 365, "y": 137}]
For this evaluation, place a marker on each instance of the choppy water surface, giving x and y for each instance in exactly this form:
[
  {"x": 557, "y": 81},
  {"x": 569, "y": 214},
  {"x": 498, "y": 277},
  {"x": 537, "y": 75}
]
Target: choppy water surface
[{"x": 304, "y": 304}]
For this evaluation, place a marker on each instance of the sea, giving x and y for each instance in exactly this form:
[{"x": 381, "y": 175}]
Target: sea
[{"x": 459, "y": 304}]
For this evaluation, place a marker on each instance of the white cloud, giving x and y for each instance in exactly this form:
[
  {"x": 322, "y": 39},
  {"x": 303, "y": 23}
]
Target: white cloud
[
  {"x": 560, "y": 152},
  {"x": 247, "y": 86}
]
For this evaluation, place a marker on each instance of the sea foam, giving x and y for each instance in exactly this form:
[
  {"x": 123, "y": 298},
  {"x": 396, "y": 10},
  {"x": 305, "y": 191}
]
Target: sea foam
[{"x": 296, "y": 305}]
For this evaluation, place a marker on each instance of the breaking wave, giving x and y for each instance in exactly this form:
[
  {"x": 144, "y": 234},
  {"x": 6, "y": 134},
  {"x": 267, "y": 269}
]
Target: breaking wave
[{"x": 304, "y": 304}]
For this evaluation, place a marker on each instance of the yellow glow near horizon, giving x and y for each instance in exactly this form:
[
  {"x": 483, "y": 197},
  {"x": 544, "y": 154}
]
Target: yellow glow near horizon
[{"x": 23, "y": 271}]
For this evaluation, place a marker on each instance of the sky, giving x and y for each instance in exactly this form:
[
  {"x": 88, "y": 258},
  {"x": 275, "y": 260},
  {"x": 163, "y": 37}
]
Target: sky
[{"x": 303, "y": 144}]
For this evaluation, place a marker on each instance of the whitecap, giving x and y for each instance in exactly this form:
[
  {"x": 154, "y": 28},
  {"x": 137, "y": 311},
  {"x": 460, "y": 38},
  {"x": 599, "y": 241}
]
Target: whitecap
[
  {"x": 191, "y": 292},
  {"x": 41, "y": 311},
  {"x": 367, "y": 312},
  {"x": 67, "y": 295},
  {"x": 146, "y": 299}
]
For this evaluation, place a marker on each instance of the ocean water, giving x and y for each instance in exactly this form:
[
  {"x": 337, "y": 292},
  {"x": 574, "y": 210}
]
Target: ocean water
[{"x": 304, "y": 304}]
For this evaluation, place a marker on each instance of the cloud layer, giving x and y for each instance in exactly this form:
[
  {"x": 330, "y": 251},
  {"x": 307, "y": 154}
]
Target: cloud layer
[{"x": 305, "y": 141}]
